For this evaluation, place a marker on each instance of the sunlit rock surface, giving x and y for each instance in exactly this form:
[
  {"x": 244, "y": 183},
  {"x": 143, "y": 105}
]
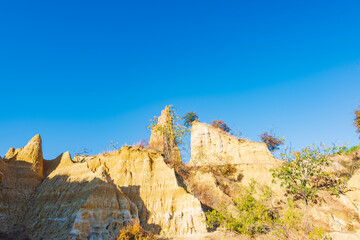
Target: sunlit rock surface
[
  {"x": 22, "y": 172},
  {"x": 212, "y": 146},
  {"x": 74, "y": 202},
  {"x": 94, "y": 198},
  {"x": 164, "y": 207}
]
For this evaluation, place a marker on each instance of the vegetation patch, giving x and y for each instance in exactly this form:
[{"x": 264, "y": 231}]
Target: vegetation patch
[
  {"x": 304, "y": 172},
  {"x": 134, "y": 231},
  {"x": 254, "y": 215}
]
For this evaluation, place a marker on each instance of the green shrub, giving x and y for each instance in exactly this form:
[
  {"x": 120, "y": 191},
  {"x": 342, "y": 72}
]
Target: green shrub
[
  {"x": 189, "y": 118},
  {"x": 304, "y": 171},
  {"x": 352, "y": 150},
  {"x": 347, "y": 151},
  {"x": 254, "y": 214},
  {"x": 289, "y": 224},
  {"x": 317, "y": 233}
]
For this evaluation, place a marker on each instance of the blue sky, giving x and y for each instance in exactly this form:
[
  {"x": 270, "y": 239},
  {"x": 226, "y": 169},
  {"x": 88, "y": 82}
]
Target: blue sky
[{"x": 84, "y": 73}]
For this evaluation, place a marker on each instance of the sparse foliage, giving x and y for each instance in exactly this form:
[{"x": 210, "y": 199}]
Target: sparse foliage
[
  {"x": 114, "y": 146},
  {"x": 83, "y": 151},
  {"x": 189, "y": 118},
  {"x": 254, "y": 214},
  {"x": 221, "y": 125},
  {"x": 303, "y": 171},
  {"x": 289, "y": 224},
  {"x": 172, "y": 134},
  {"x": 357, "y": 120},
  {"x": 141, "y": 144},
  {"x": 343, "y": 175},
  {"x": 271, "y": 141}
]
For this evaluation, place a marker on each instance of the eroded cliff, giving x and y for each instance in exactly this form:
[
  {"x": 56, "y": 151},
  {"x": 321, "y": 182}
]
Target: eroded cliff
[
  {"x": 92, "y": 199},
  {"x": 212, "y": 146}
]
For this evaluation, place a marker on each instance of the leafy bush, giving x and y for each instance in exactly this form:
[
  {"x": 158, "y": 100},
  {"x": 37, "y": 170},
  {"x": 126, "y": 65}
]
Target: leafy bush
[
  {"x": 352, "y": 150},
  {"x": 317, "y": 233},
  {"x": 254, "y": 215},
  {"x": 271, "y": 141},
  {"x": 189, "y": 118},
  {"x": 347, "y": 151},
  {"x": 133, "y": 231},
  {"x": 221, "y": 125},
  {"x": 304, "y": 171},
  {"x": 289, "y": 224}
]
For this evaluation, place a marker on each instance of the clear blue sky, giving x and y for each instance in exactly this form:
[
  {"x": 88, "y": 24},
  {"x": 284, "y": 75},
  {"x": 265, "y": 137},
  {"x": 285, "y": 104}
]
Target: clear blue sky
[{"x": 84, "y": 73}]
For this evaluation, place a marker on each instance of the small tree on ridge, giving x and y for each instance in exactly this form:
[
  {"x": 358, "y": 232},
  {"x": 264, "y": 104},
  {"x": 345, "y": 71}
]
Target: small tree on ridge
[
  {"x": 271, "y": 141},
  {"x": 189, "y": 118}
]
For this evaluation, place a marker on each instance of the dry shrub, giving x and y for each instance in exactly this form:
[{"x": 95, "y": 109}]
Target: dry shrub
[
  {"x": 240, "y": 177},
  {"x": 134, "y": 231},
  {"x": 228, "y": 170},
  {"x": 220, "y": 125},
  {"x": 204, "y": 194},
  {"x": 141, "y": 144},
  {"x": 182, "y": 169},
  {"x": 271, "y": 141}
]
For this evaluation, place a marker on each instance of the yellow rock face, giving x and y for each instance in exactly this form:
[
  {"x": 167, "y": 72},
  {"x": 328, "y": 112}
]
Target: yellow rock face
[
  {"x": 31, "y": 153},
  {"x": 354, "y": 193},
  {"x": 75, "y": 203},
  {"x": 163, "y": 205},
  {"x": 95, "y": 198},
  {"x": 22, "y": 172},
  {"x": 210, "y": 145}
]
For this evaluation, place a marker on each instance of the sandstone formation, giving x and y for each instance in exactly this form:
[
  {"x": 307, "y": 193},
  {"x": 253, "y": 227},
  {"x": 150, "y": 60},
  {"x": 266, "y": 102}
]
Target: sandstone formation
[
  {"x": 31, "y": 153},
  {"x": 93, "y": 198},
  {"x": 162, "y": 137},
  {"x": 164, "y": 206},
  {"x": 22, "y": 172},
  {"x": 212, "y": 192},
  {"x": 212, "y": 146},
  {"x": 74, "y": 202}
]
